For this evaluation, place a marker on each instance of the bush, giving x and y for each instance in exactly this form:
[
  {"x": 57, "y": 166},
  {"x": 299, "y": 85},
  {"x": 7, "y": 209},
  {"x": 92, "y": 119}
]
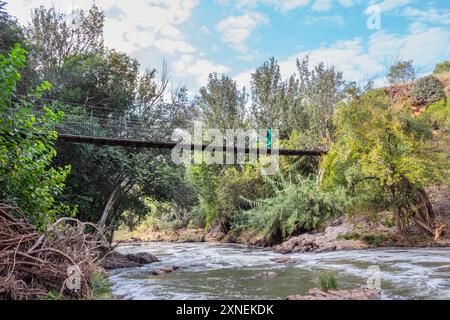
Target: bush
[
  {"x": 27, "y": 139},
  {"x": 438, "y": 115},
  {"x": 427, "y": 91},
  {"x": 442, "y": 67},
  {"x": 297, "y": 205}
]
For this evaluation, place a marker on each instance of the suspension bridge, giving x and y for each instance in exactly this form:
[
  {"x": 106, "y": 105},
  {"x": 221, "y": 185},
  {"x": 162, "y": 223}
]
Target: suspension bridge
[{"x": 109, "y": 127}]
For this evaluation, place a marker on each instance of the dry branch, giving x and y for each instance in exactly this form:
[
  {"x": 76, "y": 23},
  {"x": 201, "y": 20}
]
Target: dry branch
[{"x": 33, "y": 264}]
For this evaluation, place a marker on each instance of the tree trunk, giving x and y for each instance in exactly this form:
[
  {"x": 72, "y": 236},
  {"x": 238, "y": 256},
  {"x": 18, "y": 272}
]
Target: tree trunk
[{"x": 109, "y": 204}]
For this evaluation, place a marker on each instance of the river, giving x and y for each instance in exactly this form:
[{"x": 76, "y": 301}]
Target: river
[{"x": 215, "y": 271}]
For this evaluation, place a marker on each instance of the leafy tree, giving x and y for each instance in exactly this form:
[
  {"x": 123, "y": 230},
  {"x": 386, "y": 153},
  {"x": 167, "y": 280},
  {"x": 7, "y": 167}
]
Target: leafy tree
[
  {"x": 54, "y": 36},
  {"x": 10, "y": 31},
  {"x": 442, "y": 67},
  {"x": 384, "y": 150},
  {"x": 268, "y": 96},
  {"x": 321, "y": 90},
  {"x": 222, "y": 104},
  {"x": 402, "y": 72},
  {"x": 27, "y": 179}
]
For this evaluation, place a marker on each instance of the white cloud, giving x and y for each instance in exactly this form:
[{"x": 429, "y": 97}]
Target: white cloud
[
  {"x": 324, "y": 20},
  {"x": 170, "y": 46},
  {"x": 288, "y": 5},
  {"x": 360, "y": 61},
  {"x": 236, "y": 30},
  {"x": 430, "y": 15},
  {"x": 388, "y": 5},
  {"x": 348, "y": 3},
  {"x": 197, "y": 68},
  {"x": 148, "y": 29},
  {"x": 282, "y": 5},
  {"x": 322, "y": 5}
]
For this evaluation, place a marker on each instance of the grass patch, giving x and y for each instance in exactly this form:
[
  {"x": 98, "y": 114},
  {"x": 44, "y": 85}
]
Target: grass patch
[
  {"x": 326, "y": 281},
  {"x": 100, "y": 286}
]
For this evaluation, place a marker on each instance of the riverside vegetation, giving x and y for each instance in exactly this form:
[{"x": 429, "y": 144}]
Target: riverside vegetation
[{"x": 388, "y": 159}]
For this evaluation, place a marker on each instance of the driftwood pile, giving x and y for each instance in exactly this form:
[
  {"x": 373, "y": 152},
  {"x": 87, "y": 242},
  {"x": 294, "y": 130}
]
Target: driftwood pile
[{"x": 61, "y": 260}]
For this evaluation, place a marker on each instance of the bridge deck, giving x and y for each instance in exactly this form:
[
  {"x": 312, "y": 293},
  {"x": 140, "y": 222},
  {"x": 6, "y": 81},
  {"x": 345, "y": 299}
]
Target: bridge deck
[{"x": 171, "y": 145}]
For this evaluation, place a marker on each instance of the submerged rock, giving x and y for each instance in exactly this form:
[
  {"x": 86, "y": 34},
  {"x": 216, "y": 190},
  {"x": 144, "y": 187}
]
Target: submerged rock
[
  {"x": 117, "y": 260},
  {"x": 286, "y": 260},
  {"x": 266, "y": 274},
  {"x": 353, "y": 294}
]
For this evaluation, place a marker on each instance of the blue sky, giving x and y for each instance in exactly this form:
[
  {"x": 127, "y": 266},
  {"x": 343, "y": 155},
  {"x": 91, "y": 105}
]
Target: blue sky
[{"x": 197, "y": 37}]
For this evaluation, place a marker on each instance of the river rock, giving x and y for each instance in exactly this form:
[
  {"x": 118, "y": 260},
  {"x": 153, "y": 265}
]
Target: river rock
[
  {"x": 142, "y": 258},
  {"x": 286, "y": 260},
  {"x": 354, "y": 294},
  {"x": 167, "y": 270},
  {"x": 266, "y": 274},
  {"x": 117, "y": 260},
  {"x": 157, "y": 272}
]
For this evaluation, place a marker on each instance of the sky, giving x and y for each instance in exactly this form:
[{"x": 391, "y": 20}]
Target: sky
[{"x": 197, "y": 37}]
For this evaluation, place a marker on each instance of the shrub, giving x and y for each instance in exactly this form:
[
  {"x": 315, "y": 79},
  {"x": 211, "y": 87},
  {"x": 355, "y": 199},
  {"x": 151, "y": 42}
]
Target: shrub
[
  {"x": 427, "y": 91},
  {"x": 438, "y": 115},
  {"x": 27, "y": 179},
  {"x": 442, "y": 67},
  {"x": 297, "y": 205}
]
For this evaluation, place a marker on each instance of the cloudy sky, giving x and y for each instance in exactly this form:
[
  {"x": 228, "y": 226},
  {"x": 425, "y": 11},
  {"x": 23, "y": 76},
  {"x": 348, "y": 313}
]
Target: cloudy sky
[{"x": 197, "y": 37}]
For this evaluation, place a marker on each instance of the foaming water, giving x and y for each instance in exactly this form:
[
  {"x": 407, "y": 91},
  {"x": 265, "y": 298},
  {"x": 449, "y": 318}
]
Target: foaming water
[{"x": 214, "y": 271}]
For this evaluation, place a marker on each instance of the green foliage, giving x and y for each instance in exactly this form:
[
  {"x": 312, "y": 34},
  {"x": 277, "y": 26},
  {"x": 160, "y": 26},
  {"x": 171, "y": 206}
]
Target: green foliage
[
  {"x": 402, "y": 72},
  {"x": 374, "y": 239},
  {"x": 437, "y": 115},
  {"x": 222, "y": 104},
  {"x": 379, "y": 149},
  {"x": 100, "y": 287},
  {"x": 442, "y": 67},
  {"x": 428, "y": 90},
  {"x": 27, "y": 179},
  {"x": 297, "y": 205},
  {"x": 205, "y": 180},
  {"x": 326, "y": 281},
  {"x": 239, "y": 186},
  {"x": 10, "y": 31}
]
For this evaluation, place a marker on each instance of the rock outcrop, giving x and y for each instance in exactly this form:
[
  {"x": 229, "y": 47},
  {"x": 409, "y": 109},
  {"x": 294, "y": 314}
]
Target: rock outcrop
[{"x": 334, "y": 237}]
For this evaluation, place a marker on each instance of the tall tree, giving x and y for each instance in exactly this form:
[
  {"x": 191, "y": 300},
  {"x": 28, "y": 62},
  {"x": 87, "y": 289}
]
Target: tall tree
[
  {"x": 222, "y": 104},
  {"x": 321, "y": 89},
  {"x": 10, "y": 31},
  {"x": 268, "y": 95},
  {"x": 56, "y": 36},
  {"x": 402, "y": 72}
]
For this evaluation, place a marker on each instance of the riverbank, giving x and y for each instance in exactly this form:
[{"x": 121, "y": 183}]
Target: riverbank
[
  {"x": 344, "y": 233},
  {"x": 352, "y": 232}
]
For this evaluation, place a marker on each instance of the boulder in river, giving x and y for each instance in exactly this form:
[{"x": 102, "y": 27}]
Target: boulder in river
[{"x": 117, "y": 260}]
